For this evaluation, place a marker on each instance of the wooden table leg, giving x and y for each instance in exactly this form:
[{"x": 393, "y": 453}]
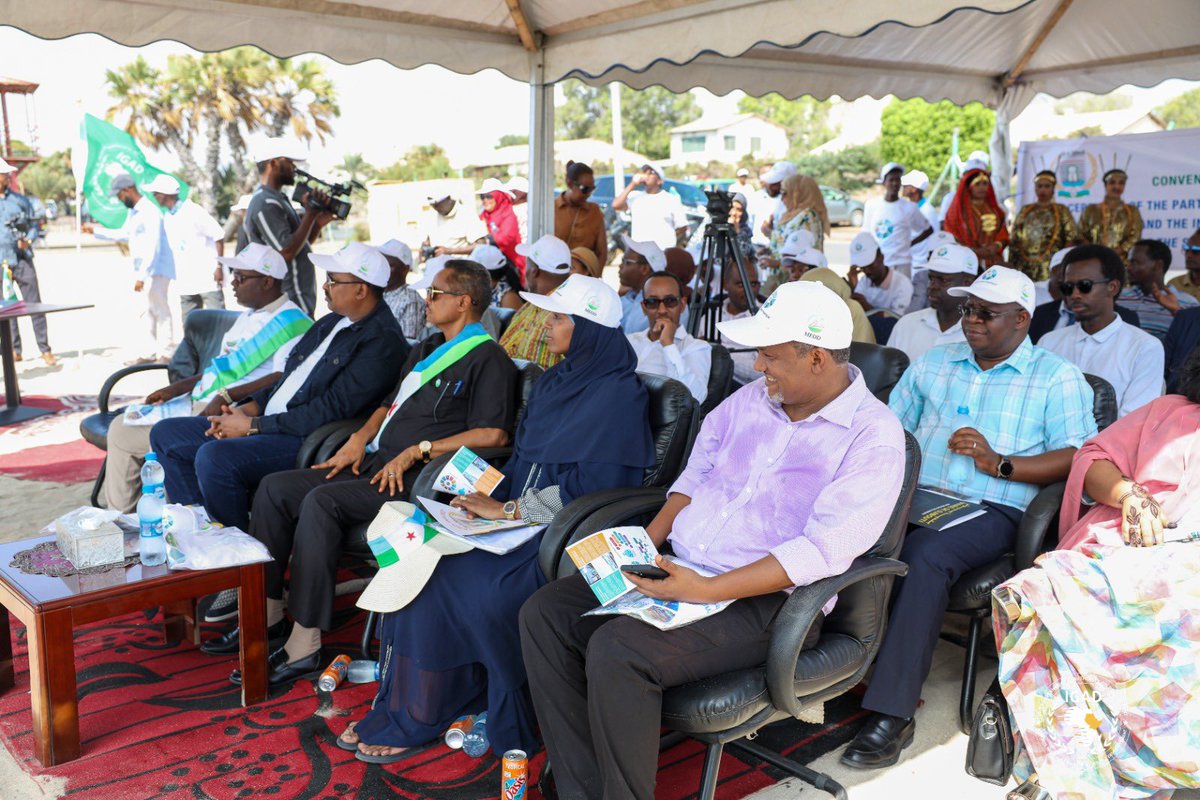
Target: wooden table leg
[
  {"x": 7, "y": 673},
  {"x": 252, "y": 619},
  {"x": 52, "y": 688},
  {"x": 179, "y": 622}
]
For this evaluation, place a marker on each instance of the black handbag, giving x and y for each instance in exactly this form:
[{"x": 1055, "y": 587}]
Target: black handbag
[{"x": 990, "y": 747}]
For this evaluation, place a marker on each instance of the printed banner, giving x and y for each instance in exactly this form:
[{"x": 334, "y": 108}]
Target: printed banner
[{"x": 1164, "y": 177}]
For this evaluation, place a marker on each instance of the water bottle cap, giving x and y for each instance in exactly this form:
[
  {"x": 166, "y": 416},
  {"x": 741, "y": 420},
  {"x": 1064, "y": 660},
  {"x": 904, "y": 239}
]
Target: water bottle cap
[
  {"x": 151, "y": 456},
  {"x": 964, "y": 410}
]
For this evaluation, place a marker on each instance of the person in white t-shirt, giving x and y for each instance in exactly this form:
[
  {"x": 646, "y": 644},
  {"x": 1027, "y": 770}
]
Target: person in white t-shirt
[
  {"x": 916, "y": 333},
  {"x": 1100, "y": 342},
  {"x": 656, "y": 214},
  {"x": 897, "y": 224},
  {"x": 772, "y": 181},
  {"x": 196, "y": 240},
  {"x": 875, "y": 284},
  {"x": 913, "y": 185},
  {"x": 665, "y": 348}
]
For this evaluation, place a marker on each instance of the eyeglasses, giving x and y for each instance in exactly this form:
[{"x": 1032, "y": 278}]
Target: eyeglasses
[
  {"x": 985, "y": 315},
  {"x": 432, "y": 294},
  {"x": 238, "y": 277},
  {"x": 670, "y": 301},
  {"x": 1084, "y": 286},
  {"x": 332, "y": 282}
]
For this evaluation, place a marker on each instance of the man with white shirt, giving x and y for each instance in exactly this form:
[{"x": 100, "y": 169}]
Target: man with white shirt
[
  {"x": 1053, "y": 314},
  {"x": 641, "y": 259},
  {"x": 875, "y": 284},
  {"x": 1100, "y": 342},
  {"x": 918, "y": 332},
  {"x": 153, "y": 265},
  {"x": 252, "y": 357},
  {"x": 896, "y": 223},
  {"x": 665, "y": 348},
  {"x": 196, "y": 240},
  {"x": 913, "y": 185},
  {"x": 772, "y": 181},
  {"x": 340, "y": 369},
  {"x": 656, "y": 215}
]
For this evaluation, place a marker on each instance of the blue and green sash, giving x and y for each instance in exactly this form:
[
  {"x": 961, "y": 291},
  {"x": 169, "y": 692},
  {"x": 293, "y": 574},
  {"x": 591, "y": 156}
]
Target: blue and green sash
[{"x": 227, "y": 370}]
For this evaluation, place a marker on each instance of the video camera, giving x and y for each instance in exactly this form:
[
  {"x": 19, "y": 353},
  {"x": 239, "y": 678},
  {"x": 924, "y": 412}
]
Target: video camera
[
  {"x": 719, "y": 205},
  {"x": 337, "y": 205},
  {"x": 20, "y": 225}
]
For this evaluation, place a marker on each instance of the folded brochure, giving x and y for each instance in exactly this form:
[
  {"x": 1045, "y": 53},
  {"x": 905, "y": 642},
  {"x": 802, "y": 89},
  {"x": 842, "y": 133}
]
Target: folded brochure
[
  {"x": 149, "y": 413},
  {"x": 600, "y": 557},
  {"x": 492, "y": 536},
  {"x": 466, "y": 472},
  {"x": 939, "y": 512}
]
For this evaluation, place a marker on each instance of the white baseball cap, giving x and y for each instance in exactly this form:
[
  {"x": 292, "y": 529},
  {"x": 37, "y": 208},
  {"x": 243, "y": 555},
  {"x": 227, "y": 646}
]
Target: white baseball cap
[
  {"x": 981, "y": 156},
  {"x": 163, "y": 184},
  {"x": 242, "y": 204},
  {"x": 1058, "y": 257},
  {"x": 278, "y": 147},
  {"x": 397, "y": 249},
  {"x": 657, "y": 170},
  {"x": 939, "y": 238},
  {"x": 493, "y": 185},
  {"x": 432, "y": 267},
  {"x": 1000, "y": 285},
  {"x": 779, "y": 171},
  {"x": 863, "y": 249},
  {"x": 257, "y": 258},
  {"x": 889, "y": 167},
  {"x": 743, "y": 173},
  {"x": 801, "y": 238},
  {"x": 950, "y": 259},
  {"x": 916, "y": 179},
  {"x": 362, "y": 261},
  {"x": 518, "y": 184},
  {"x": 6, "y": 168},
  {"x": 405, "y": 564},
  {"x": 809, "y": 256},
  {"x": 647, "y": 250},
  {"x": 582, "y": 296},
  {"x": 550, "y": 253},
  {"x": 489, "y": 256},
  {"x": 799, "y": 311}
]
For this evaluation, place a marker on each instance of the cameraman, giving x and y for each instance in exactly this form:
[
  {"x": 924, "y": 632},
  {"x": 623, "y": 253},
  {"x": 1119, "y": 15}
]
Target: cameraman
[
  {"x": 272, "y": 221},
  {"x": 18, "y": 231}
]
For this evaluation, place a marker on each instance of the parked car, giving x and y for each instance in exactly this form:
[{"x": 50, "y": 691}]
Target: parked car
[{"x": 843, "y": 209}]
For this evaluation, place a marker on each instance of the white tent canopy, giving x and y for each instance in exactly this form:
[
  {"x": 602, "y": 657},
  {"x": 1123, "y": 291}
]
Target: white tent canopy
[{"x": 999, "y": 52}]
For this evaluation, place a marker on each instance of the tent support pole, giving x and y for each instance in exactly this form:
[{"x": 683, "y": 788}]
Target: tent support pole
[
  {"x": 541, "y": 150},
  {"x": 1019, "y": 68}
]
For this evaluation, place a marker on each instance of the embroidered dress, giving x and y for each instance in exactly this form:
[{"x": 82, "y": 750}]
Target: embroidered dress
[
  {"x": 1118, "y": 228},
  {"x": 1037, "y": 234}
]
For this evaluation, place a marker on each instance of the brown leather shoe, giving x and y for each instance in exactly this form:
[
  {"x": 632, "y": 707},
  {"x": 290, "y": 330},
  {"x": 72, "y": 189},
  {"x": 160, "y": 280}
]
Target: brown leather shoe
[{"x": 50, "y": 359}]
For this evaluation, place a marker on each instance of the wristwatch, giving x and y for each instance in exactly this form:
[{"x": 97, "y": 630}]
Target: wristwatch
[
  {"x": 1005, "y": 468},
  {"x": 226, "y": 396},
  {"x": 253, "y": 426},
  {"x": 510, "y": 509},
  {"x": 426, "y": 448}
]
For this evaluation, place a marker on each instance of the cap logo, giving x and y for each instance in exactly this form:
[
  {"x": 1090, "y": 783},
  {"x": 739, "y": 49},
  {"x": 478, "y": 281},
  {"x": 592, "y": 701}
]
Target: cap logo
[
  {"x": 771, "y": 300},
  {"x": 942, "y": 251},
  {"x": 858, "y": 247},
  {"x": 592, "y": 305},
  {"x": 815, "y": 327},
  {"x": 363, "y": 268},
  {"x": 990, "y": 275}
]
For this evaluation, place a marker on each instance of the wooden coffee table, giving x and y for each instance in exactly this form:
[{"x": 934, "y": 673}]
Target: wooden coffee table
[{"x": 52, "y": 608}]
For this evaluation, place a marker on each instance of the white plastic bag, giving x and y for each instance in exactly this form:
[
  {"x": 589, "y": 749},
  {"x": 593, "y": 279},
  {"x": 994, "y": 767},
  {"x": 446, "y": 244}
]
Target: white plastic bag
[{"x": 193, "y": 542}]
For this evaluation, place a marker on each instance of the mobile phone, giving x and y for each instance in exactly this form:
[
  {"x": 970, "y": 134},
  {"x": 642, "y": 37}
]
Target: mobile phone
[{"x": 645, "y": 571}]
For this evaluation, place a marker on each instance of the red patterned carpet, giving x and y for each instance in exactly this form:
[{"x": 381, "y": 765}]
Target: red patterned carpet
[
  {"x": 48, "y": 448},
  {"x": 164, "y": 722}
]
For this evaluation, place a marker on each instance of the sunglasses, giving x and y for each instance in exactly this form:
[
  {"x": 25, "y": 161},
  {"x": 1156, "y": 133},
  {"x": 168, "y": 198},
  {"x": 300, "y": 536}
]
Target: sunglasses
[
  {"x": 982, "y": 314},
  {"x": 432, "y": 294},
  {"x": 584, "y": 188},
  {"x": 1191, "y": 248},
  {"x": 652, "y": 302},
  {"x": 1084, "y": 286}
]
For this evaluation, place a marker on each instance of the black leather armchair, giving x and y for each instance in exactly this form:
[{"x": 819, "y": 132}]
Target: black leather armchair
[
  {"x": 202, "y": 333},
  {"x": 971, "y": 595},
  {"x": 726, "y": 709},
  {"x": 720, "y": 379},
  {"x": 881, "y": 366}
]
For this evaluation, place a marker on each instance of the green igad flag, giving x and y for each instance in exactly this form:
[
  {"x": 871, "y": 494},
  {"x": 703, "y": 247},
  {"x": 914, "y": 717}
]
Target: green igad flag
[{"x": 111, "y": 152}]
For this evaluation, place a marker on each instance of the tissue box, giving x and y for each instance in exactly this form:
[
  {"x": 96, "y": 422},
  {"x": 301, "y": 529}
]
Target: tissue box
[{"x": 87, "y": 547}]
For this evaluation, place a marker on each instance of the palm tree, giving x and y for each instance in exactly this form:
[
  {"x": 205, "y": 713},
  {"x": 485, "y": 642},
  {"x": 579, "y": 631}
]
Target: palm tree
[{"x": 355, "y": 168}]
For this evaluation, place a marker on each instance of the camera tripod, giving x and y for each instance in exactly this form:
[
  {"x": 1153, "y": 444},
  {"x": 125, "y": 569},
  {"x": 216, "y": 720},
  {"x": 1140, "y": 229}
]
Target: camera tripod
[{"x": 719, "y": 247}]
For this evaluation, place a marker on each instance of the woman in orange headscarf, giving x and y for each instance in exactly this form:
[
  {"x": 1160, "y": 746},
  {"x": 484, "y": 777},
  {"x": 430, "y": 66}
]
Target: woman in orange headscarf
[{"x": 976, "y": 220}]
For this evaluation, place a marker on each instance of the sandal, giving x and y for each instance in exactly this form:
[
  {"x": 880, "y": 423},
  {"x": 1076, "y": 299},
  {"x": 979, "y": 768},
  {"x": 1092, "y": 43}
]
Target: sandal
[
  {"x": 391, "y": 758},
  {"x": 345, "y": 745}
]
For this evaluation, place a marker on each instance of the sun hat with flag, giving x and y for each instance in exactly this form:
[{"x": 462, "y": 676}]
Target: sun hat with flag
[{"x": 407, "y": 548}]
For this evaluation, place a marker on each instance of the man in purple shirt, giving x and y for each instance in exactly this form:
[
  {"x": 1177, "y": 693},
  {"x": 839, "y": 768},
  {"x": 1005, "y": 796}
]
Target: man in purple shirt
[{"x": 772, "y": 498}]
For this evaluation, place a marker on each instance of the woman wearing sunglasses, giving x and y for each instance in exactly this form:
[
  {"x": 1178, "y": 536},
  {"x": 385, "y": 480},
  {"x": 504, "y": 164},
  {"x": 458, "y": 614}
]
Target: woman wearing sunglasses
[{"x": 578, "y": 222}]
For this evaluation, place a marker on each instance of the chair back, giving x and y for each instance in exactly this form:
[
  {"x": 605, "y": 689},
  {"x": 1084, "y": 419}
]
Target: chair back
[
  {"x": 1104, "y": 401},
  {"x": 861, "y": 610},
  {"x": 529, "y": 372},
  {"x": 672, "y": 416},
  {"x": 203, "y": 331},
  {"x": 504, "y": 315},
  {"x": 720, "y": 379},
  {"x": 881, "y": 367}
]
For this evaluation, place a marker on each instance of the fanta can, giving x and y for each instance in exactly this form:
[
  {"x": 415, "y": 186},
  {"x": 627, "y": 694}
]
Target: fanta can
[
  {"x": 514, "y": 775},
  {"x": 334, "y": 674}
]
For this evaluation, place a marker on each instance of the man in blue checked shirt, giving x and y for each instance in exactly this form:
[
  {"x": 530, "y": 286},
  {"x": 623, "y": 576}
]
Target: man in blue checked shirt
[{"x": 1018, "y": 412}]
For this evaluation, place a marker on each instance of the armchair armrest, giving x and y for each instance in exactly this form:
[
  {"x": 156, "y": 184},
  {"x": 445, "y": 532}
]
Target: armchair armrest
[
  {"x": 590, "y": 513},
  {"x": 1035, "y": 524},
  {"x": 322, "y": 443},
  {"x": 796, "y": 617},
  {"x": 119, "y": 375},
  {"x": 423, "y": 485}
]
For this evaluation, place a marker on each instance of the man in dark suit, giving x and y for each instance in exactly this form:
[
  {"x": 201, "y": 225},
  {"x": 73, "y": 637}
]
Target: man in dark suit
[{"x": 1182, "y": 338}]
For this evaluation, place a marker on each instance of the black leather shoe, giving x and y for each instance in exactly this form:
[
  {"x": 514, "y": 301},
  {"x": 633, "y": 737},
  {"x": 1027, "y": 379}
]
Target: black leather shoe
[
  {"x": 281, "y": 671},
  {"x": 231, "y": 640},
  {"x": 879, "y": 742}
]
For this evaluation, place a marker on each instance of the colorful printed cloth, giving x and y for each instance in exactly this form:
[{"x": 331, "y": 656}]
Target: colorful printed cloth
[{"x": 1100, "y": 664}]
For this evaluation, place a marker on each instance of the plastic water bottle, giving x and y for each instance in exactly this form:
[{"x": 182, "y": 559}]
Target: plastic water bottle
[
  {"x": 150, "y": 520},
  {"x": 153, "y": 474},
  {"x": 961, "y": 467},
  {"x": 475, "y": 743}
]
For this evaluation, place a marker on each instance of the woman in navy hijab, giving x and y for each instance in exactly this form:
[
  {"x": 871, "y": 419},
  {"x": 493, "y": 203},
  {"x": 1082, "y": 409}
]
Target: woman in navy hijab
[{"x": 456, "y": 648}]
